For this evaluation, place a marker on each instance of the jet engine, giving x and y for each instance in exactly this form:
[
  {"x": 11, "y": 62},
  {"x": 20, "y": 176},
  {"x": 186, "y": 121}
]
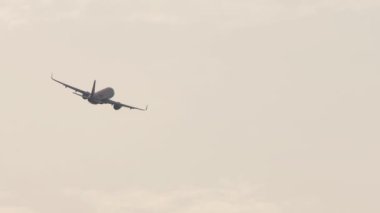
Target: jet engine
[
  {"x": 86, "y": 96},
  {"x": 117, "y": 106}
]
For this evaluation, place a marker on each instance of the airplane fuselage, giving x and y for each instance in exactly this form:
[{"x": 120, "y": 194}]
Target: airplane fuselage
[{"x": 102, "y": 95}]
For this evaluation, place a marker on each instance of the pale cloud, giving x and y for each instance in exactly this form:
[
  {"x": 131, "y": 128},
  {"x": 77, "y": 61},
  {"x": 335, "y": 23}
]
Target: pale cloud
[
  {"x": 6, "y": 196},
  {"x": 15, "y": 209},
  {"x": 15, "y": 13},
  {"x": 258, "y": 12},
  {"x": 242, "y": 198},
  {"x": 12, "y": 15},
  {"x": 152, "y": 18},
  {"x": 222, "y": 12}
]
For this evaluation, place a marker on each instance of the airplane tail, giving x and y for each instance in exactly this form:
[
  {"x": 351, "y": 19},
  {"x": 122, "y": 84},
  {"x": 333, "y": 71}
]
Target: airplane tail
[{"x": 93, "y": 89}]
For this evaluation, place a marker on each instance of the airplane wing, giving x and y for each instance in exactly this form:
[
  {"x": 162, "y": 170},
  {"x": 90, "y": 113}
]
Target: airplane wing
[
  {"x": 68, "y": 86},
  {"x": 124, "y": 105}
]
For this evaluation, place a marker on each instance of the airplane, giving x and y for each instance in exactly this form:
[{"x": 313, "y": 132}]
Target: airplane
[{"x": 101, "y": 97}]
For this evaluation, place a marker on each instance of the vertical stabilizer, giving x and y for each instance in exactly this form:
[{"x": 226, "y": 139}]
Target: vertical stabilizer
[{"x": 93, "y": 89}]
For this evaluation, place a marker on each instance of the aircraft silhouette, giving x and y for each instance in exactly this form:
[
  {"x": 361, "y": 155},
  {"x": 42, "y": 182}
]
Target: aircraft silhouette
[{"x": 101, "y": 97}]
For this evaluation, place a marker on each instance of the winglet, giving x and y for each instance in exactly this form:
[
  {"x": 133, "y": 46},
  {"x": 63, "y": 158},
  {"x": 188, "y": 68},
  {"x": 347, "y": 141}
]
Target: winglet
[
  {"x": 146, "y": 108},
  {"x": 52, "y": 78}
]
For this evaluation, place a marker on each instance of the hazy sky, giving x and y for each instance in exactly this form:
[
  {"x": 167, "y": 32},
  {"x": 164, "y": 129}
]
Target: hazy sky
[{"x": 260, "y": 106}]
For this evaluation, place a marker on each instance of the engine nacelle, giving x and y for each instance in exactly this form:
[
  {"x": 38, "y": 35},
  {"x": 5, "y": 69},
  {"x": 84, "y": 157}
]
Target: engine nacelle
[
  {"x": 117, "y": 106},
  {"x": 85, "y": 96}
]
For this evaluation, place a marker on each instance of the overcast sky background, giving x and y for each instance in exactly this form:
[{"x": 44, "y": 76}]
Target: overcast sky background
[{"x": 255, "y": 106}]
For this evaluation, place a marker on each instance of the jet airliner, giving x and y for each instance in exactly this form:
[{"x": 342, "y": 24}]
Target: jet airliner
[{"x": 101, "y": 97}]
